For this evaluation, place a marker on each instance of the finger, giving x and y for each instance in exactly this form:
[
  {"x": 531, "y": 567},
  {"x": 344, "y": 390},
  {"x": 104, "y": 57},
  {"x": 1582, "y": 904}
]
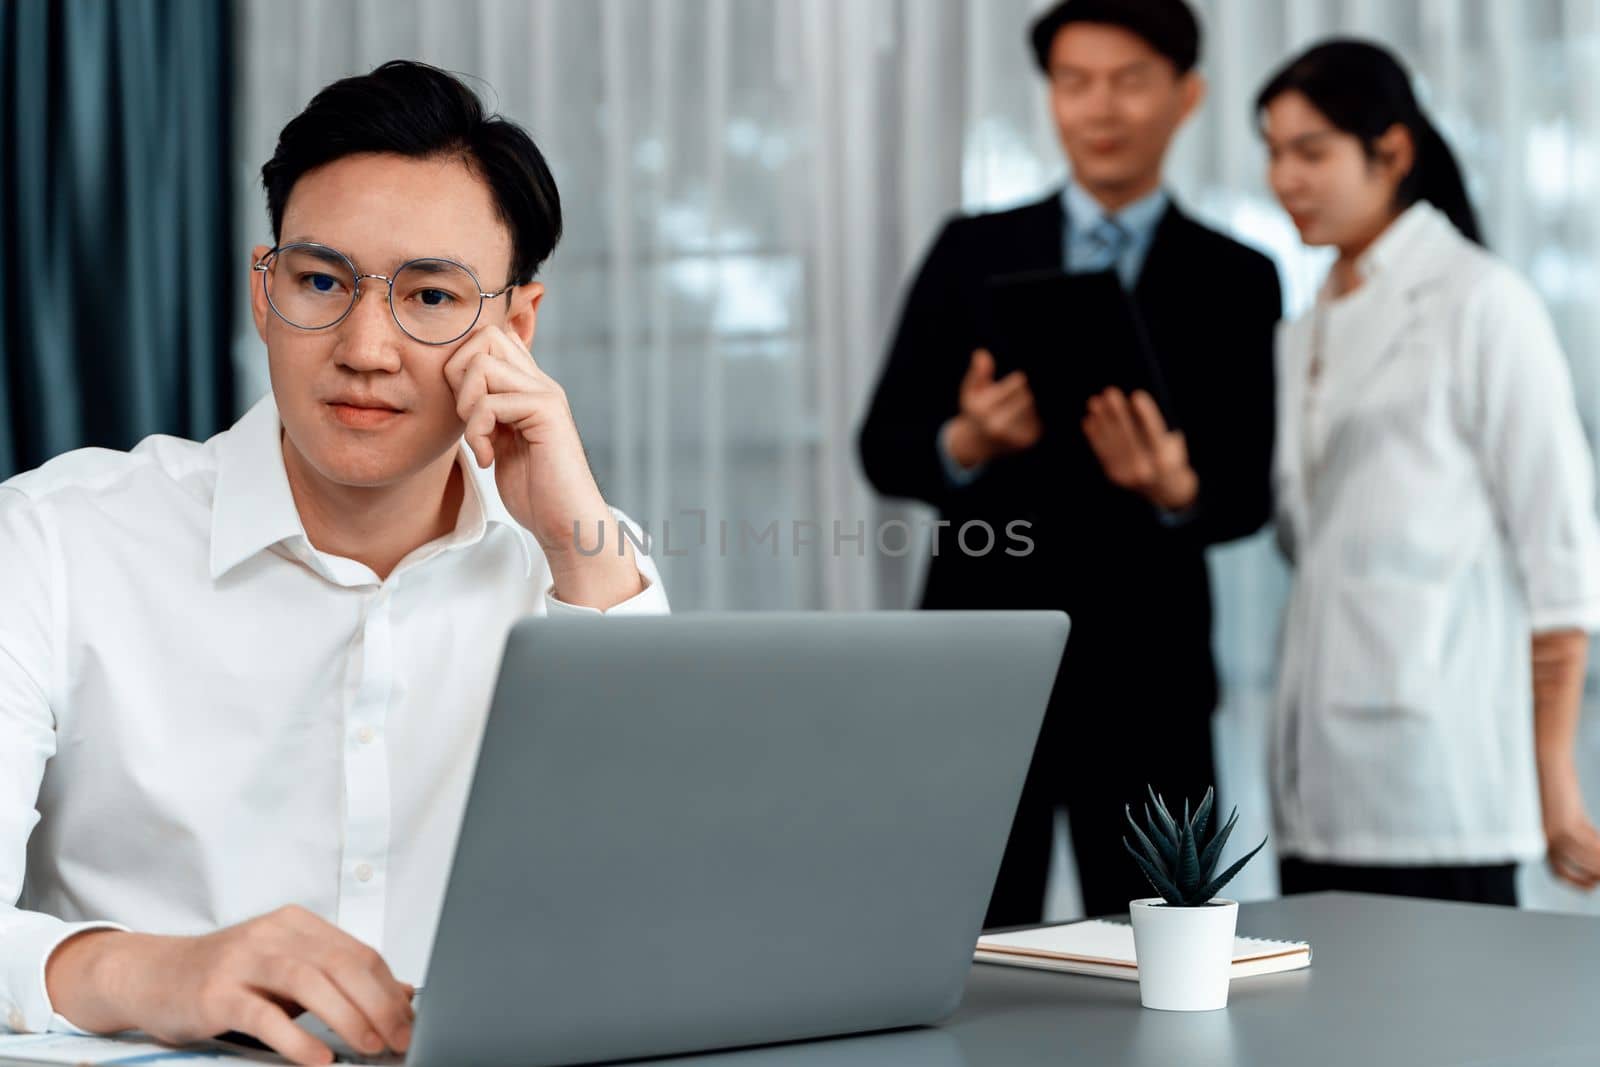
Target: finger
[
  {"x": 363, "y": 976},
  {"x": 1013, "y": 381},
  {"x": 1119, "y": 417},
  {"x": 470, "y": 348},
  {"x": 360, "y": 973},
  {"x": 508, "y": 345},
  {"x": 1114, "y": 426},
  {"x": 1147, "y": 417},
  {"x": 479, "y": 431},
  {"x": 1013, "y": 413},
  {"x": 311, "y": 989},
  {"x": 980, "y": 370},
  {"x": 1570, "y": 874},
  {"x": 991, "y": 396},
  {"x": 473, "y": 388},
  {"x": 1583, "y": 852},
  {"x": 482, "y": 406},
  {"x": 267, "y": 1023}
]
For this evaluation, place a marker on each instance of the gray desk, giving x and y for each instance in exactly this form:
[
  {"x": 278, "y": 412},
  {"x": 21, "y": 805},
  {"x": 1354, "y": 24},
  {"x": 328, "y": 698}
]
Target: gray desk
[{"x": 1392, "y": 982}]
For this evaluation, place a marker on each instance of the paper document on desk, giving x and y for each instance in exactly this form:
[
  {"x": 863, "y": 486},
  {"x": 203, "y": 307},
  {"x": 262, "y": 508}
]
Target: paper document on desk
[
  {"x": 1104, "y": 949},
  {"x": 124, "y": 1051}
]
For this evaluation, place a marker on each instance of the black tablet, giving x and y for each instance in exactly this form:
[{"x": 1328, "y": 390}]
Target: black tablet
[{"x": 1074, "y": 335}]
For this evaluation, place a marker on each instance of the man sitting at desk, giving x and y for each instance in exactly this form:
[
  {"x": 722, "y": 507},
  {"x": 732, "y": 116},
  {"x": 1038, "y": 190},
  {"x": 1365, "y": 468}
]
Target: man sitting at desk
[
  {"x": 242, "y": 682},
  {"x": 1121, "y": 506}
]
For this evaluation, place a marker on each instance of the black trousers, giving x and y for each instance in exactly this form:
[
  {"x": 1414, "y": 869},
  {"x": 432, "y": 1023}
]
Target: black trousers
[
  {"x": 1493, "y": 884},
  {"x": 1104, "y": 775}
]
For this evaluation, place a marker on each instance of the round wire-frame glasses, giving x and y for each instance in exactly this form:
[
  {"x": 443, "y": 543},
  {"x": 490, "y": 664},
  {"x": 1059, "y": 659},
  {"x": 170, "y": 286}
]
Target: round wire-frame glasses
[{"x": 446, "y": 282}]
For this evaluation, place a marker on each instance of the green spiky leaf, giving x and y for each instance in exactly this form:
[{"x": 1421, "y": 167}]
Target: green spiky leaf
[
  {"x": 1166, "y": 823},
  {"x": 1213, "y": 852},
  {"x": 1152, "y": 853},
  {"x": 1158, "y": 881},
  {"x": 1215, "y": 885},
  {"x": 1169, "y": 848},
  {"x": 1187, "y": 876},
  {"x": 1202, "y": 817}
]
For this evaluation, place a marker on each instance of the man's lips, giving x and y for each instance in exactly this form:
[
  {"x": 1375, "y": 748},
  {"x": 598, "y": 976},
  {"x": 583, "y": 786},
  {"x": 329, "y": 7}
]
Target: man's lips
[{"x": 363, "y": 413}]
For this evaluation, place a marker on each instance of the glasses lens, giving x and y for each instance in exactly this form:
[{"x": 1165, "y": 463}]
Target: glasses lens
[
  {"x": 311, "y": 287},
  {"x": 435, "y": 300}
]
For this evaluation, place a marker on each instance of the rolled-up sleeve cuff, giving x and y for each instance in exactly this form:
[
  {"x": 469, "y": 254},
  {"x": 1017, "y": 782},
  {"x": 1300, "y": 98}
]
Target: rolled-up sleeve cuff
[
  {"x": 1582, "y": 616},
  {"x": 651, "y": 600},
  {"x": 29, "y": 940}
]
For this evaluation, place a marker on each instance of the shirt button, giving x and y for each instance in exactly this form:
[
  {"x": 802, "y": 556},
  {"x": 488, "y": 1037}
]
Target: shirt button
[
  {"x": 363, "y": 872},
  {"x": 366, "y": 734}
]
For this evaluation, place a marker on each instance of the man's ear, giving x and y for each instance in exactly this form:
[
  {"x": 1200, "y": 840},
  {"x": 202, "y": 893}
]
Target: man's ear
[
  {"x": 1398, "y": 150},
  {"x": 523, "y": 316},
  {"x": 1193, "y": 89},
  {"x": 258, "y": 293}
]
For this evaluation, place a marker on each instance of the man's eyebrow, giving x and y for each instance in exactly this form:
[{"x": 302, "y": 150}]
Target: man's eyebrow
[
  {"x": 438, "y": 264},
  {"x": 329, "y": 254},
  {"x": 319, "y": 252},
  {"x": 1126, "y": 68}
]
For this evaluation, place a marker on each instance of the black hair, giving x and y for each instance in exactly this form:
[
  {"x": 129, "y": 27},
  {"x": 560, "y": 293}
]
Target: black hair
[
  {"x": 416, "y": 110},
  {"x": 1361, "y": 88},
  {"x": 1168, "y": 26}
]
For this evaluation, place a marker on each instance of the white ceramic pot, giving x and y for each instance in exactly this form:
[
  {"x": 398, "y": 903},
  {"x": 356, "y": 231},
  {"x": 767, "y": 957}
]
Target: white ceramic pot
[{"x": 1185, "y": 954}]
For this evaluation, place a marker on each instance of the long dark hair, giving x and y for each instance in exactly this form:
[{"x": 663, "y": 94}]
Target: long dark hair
[{"x": 1362, "y": 89}]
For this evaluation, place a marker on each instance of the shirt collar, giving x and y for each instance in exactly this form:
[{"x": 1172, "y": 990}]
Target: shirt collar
[
  {"x": 1395, "y": 244},
  {"x": 1138, "y": 218},
  {"x": 1400, "y": 249},
  {"x": 253, "y": 509}
]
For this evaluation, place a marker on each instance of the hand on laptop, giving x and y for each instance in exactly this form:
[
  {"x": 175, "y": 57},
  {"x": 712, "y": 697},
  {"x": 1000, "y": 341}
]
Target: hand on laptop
[
  {"x": 997, "y": 418},
  {"x": 252, "y": 978},
  {"x": 517, "y": 418}
]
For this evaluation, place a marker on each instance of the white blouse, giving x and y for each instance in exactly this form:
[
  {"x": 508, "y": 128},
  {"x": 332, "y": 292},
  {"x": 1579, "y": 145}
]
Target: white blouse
[{"x": 1436, "y": 494}]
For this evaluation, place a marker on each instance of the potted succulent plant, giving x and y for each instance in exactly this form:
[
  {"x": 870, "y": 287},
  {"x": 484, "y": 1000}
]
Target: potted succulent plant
[{"x": 1183, "y": 939}]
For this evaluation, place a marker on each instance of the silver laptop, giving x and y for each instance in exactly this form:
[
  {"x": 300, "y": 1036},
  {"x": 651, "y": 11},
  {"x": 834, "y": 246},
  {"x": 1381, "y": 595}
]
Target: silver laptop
[{"x": 707, "y": 831}]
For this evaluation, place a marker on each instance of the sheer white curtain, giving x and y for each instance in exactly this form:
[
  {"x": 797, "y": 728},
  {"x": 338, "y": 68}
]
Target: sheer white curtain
[{"x": 748, "y": 183}]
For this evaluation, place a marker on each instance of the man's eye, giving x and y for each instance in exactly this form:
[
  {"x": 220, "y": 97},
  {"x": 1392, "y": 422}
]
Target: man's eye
[
  {"x": 320, "y": 283},
  {"x": 434, "y": 298}
]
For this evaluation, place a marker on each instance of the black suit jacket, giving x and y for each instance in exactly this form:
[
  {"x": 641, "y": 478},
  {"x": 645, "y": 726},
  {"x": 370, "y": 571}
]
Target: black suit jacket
[{"x": 1136, "y": 588}]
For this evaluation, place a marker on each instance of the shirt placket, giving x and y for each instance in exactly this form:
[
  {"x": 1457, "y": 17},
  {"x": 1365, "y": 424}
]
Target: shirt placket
[{"x": 364, "y": 861}]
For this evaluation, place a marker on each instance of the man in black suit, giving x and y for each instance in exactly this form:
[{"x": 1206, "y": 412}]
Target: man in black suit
[{"x": 1120, "y": 507}]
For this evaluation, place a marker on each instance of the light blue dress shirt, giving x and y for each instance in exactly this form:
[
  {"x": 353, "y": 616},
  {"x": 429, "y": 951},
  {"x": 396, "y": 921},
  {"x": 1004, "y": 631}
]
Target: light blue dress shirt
[{"x": 1083, "y": 251}]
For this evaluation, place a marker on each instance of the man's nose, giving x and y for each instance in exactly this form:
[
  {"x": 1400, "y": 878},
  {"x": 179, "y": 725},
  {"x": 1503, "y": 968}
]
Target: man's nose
[{"x": 369, "y": 338}]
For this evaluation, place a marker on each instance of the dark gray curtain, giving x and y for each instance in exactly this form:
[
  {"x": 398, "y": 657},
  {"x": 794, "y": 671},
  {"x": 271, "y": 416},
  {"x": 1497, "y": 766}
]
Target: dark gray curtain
[{"x": 115, "y": 260}]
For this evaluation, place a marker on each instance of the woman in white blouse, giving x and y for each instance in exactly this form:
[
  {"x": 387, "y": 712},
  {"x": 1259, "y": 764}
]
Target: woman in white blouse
[{"x": 1435, "y": 496}]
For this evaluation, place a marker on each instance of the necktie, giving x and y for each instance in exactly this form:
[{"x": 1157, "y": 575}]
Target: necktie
[{"x": 1105, "y": 242}]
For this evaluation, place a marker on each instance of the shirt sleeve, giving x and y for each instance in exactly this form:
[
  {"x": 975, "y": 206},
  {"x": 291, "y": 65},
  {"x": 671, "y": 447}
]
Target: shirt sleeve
[
  {"x": 1534, "y": 454},
  {"x": 651, "y": 600},
  {"x": 27, "y": 742},
  {"x": 954, "y": 472}
]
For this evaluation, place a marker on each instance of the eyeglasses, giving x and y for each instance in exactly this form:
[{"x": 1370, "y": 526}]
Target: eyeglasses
[{"x": 312, "y": 287}]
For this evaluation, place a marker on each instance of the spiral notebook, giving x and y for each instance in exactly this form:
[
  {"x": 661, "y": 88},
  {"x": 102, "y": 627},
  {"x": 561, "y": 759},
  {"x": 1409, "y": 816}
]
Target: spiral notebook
[{"x": 1104, "y": 949}]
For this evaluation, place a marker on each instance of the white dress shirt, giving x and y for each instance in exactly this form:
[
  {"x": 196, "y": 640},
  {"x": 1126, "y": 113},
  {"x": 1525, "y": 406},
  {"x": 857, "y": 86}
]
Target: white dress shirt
[
  {"x": 208, "y": 718},
  {"x": 1436, "y": 494}
]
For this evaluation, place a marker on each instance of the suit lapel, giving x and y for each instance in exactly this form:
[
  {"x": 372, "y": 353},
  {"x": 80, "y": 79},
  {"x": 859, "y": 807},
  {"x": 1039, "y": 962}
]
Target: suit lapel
[
  {"x": 1039, "y": 242},
  {"x": 1166, "y": 253}
]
